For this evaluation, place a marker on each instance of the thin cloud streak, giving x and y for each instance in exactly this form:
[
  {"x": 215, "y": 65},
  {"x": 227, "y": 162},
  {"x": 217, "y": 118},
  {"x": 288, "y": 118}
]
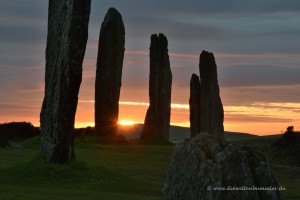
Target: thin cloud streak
[
  {"x": 223, "y": 55},
  {"x": 130, "y": 103},
  {"x": 259, "y": 110}
]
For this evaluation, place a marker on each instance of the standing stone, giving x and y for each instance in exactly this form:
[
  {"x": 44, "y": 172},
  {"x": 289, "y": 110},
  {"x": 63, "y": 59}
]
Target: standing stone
[
  {"x": 157, "y": 121},
  {"x": 109, "y": 73},
  {"x": 212, "y": 114},
  {"x": 194, "y": 105},
  {"x": 66, "y": 43}
]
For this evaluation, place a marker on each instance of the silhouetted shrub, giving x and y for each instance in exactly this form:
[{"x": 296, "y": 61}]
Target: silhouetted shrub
[
  {"x": 288, "y": 146},
  {"x": 16, "y": 131}
]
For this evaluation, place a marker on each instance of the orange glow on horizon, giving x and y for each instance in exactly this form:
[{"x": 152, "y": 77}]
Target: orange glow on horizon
[
  {"x": 84, "y": 124},
  {"x": 260, "y": 118},
  {"x": 126, "y": 122}
]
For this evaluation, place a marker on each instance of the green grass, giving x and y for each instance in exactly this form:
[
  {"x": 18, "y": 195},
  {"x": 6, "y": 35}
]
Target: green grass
[
  {"x": 127, "y": 171},
  {"x": 109, "y": 171}
]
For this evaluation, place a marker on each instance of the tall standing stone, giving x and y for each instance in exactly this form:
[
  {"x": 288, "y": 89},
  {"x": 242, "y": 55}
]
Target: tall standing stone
[
  {"x": 157, "y": 121},
  {"x": 66, "y": 43},
  {"x": 194, "y": 104},
  {"x": 109, "y": 73},
  {"x": 212, "y": 113}
]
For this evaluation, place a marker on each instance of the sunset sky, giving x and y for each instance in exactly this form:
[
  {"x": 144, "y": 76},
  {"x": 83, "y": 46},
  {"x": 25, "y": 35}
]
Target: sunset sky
[{"x": 256, "y": 45}]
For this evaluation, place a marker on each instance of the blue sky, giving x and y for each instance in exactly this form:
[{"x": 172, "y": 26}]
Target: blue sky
[{"x": 256, "y": 46}]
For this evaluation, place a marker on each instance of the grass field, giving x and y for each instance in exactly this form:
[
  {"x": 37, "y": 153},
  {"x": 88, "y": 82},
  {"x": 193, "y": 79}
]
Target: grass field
[
  {"x": 128, "y": 171},
  {"x": 105, "y": 171}
]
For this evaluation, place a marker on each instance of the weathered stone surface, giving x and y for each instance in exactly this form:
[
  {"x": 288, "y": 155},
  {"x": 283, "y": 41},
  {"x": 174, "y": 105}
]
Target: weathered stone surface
[
  {"x": 194, "y": 104},
  {"x": 66, "y": 43},
  {"x": 157, "y": 120},
  {"x": 204, "y": 165},
  {"x": 212, "y": 114},
  {"x": 109, "y": 73}
]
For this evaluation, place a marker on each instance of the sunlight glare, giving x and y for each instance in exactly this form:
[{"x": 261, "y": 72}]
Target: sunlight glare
[{"x": 126, "y": 123}]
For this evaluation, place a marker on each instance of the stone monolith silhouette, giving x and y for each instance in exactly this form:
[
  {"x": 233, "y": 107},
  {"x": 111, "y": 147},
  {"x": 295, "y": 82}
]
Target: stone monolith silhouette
[
  {"x": 194, "y": 104},
  {"x": 211, "y": 114},
  {"x": 109, "y": 73},
  {"x": 157, "y": 120},
  {"x": 66, "y": 43}
]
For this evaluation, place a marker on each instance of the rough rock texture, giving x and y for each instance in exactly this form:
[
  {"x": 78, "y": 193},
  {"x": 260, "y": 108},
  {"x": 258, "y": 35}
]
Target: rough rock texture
[
  {"x": 203, "y": 166},
  {"x": 194, "y": 103},
  {"x": 66, "y": 43},
  {"x": 109, "y": 73},
  {"x": 212, "y": 114},
  {"x": 157, "y": 120}
]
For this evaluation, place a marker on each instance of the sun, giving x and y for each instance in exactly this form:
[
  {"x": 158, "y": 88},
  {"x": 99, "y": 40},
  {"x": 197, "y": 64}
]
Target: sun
[{"x": 126, "y": 123}]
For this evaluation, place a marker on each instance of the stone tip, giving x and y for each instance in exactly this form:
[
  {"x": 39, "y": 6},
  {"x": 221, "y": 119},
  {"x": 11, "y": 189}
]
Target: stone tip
[
  {"x": 194, "y": 79},
  {"x": 163, "y": 38},
  {"x": 194, "y": 76},
  {"x": 113, "y": 17},
  {"x": 207, "y": 59},
  {"x": 113, "y": 11},
  {"x": 206, "y": 54},
  {"x": 160, "y": 37},
  {"x": 154, "y": 36}
]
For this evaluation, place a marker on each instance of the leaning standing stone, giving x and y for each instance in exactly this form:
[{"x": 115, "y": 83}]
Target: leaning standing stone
[{"x": 66, "y": 43}]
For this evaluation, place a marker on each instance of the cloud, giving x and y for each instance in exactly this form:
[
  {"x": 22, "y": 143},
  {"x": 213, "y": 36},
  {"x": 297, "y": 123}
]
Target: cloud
[
  {"x": 201, "y": 7},
  {"x": 236, "y": 118},
  {"x": 22, "y": 34},
  {"x": 230, "y": 26},
  {"x": 294, "y": 107},
  {"x": 134, "y": 103},
  {"x": 17, "y": 112},
  {"x": 25, "y": 23},
  {"x": 257, "y": 75},
  {"x": 256, "y": 46},
  {"x": 249, "y": 95},
  {"x": 18, "y": 10}
]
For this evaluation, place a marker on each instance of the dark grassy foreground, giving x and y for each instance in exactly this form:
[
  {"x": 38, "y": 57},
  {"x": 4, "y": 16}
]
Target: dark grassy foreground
[
  {"x": 107, "y": 171},
  {"x": 124, "y": 171}
]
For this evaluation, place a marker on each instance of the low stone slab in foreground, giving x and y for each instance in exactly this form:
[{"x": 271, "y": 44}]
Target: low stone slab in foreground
[{"x": 208, "y": 167}]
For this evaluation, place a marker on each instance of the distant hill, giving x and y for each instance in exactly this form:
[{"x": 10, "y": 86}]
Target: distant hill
[
  {"x": 23, "y": 130},
  {"x": 233, "y": 136},
  {"x": 131, "y": 132},
  {"x": 177, "y": 133}
]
